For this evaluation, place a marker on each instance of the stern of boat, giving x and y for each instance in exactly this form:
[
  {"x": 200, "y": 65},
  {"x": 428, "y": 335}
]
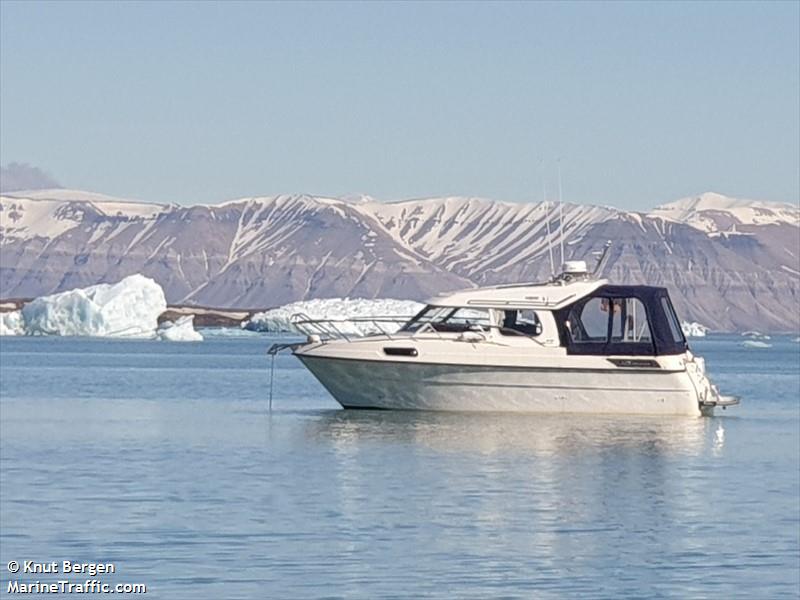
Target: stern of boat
[{"x": 708, "y": 395}]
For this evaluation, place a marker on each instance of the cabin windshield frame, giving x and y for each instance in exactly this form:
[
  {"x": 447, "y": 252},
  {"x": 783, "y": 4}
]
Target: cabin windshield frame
[{"x": 446, "y": 319}]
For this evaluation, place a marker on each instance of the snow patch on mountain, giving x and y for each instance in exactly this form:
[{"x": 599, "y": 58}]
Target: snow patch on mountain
[
  {"x": 107, "y": 205},
  {"x": 711, "y": 212},
  {"x": 467, "y": 235},
  {"x": 51, "y": 213}
]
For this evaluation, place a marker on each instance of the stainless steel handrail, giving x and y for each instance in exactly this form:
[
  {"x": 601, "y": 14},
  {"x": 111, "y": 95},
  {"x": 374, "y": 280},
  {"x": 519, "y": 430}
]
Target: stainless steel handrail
[{"x": 331, "y": 328}]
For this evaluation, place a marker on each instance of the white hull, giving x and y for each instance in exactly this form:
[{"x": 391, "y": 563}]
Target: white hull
[{"x": 406, "y": 385}]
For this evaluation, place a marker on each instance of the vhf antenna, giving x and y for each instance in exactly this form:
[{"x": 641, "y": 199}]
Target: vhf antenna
[
  {"x": 547, "y": 220},
  {"x": 560, "y": 211}
]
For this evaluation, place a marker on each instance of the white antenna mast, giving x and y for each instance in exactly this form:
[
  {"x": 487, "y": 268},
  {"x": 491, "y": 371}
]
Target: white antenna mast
[
  {"x": 547, "y": 219},
  {"x": 560, "y": 211}
]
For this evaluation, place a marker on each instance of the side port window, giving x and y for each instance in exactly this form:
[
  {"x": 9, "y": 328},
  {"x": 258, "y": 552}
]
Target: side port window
[{"x": 521, "y": 322}]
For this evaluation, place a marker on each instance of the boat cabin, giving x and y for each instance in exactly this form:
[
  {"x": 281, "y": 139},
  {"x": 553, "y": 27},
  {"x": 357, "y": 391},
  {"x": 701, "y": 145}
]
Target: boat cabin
[{"x": 585, "y": 317}]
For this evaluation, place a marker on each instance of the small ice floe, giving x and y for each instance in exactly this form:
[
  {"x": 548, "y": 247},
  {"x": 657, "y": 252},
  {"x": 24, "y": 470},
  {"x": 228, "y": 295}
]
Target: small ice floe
[
  {"x": 182, "y": 330},
  {"x": 755, "y": 344},
  {"x": 755, "y": 335},
  {"x": 694, "y": 329},
  {"x": 12, "y": 323},
  {"x": 226, "y": 332},
  {"x": 340, "y": 310}
]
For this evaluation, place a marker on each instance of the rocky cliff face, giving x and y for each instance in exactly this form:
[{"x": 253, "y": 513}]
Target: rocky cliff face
[{"x": 731, "y": 264}]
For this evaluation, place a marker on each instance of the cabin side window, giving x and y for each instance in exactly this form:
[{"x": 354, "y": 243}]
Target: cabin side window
[
  {"x": 588, "y": 321},
  {"x": 521, "y": 322}
]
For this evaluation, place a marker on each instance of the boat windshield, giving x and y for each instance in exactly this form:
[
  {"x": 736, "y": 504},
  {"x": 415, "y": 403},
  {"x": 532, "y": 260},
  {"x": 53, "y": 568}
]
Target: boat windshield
[{"x": 448, "y": 319}]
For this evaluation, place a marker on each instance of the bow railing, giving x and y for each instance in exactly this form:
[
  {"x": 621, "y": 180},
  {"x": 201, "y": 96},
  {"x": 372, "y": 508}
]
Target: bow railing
[{"x": 346, "y": 329}]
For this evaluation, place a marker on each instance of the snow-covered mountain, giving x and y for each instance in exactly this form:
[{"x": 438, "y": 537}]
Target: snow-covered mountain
[
  {"x": 712, "y": 213},
  {"x": 731, "y": 264},
  {"x": 484, "y": 240}
]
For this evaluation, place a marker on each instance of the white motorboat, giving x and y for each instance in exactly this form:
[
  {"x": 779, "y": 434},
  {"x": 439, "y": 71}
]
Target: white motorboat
[{"x": 576, "y": 344}]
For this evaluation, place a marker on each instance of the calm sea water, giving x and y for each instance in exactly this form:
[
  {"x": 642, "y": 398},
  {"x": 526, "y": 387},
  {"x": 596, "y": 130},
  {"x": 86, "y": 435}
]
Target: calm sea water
[{"x": 163, "y": 459}]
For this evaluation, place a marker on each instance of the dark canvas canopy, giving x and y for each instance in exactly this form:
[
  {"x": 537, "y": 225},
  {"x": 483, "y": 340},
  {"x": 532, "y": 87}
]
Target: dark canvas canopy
[{"x": 664, "y": 335}]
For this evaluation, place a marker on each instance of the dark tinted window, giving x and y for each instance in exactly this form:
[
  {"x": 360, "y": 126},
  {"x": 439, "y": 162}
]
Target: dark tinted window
[
  {"x": 672, "y": 320},
  {"x": 524, "y": 322}
]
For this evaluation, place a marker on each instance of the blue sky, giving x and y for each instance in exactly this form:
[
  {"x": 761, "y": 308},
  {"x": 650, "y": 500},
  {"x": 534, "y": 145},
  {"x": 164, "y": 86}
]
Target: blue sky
[{"x": 642, "y": 102}]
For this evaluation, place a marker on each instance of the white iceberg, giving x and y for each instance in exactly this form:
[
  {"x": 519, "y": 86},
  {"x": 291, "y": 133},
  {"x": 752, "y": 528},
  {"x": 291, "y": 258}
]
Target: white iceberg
[
  {"x": 181, "y": 330},
  {"x": 12, "y": 323},
  {"x": 340, "y": 310},
  {"x": 129, "y": 308},
  {"x": 693, "y": 329},
  {"x": 755, "y": 344}
]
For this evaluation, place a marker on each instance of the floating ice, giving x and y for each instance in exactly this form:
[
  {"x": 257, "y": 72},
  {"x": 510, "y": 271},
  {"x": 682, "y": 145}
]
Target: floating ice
[
  {"x": 129, "y": 308},
  {"x": 755, "y": 344},
  {"x": 337, "y": 309},
  {"x": 755, "y": 335},
  {"x": 181, "y": 330},
  {"x": 226, "y": 332},
  {"x": 11, "y": 323},
  {"x": 693, "y": 329}
]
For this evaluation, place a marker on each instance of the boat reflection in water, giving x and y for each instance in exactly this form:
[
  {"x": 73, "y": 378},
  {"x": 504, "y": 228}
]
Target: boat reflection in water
[
  {"x": 523, "y": 499},
  {"x": 549, "y": 434}
]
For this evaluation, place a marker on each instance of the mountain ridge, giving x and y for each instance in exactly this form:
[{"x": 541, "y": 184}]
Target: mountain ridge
[{"x": 729, "y": 263}]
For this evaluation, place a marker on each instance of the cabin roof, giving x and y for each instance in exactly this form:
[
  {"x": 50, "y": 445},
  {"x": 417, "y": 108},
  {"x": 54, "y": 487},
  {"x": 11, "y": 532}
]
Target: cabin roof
[{"x": 547, "y": 296}]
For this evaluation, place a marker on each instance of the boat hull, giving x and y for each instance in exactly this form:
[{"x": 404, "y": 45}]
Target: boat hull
[{"x": 408, "y": 385}]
